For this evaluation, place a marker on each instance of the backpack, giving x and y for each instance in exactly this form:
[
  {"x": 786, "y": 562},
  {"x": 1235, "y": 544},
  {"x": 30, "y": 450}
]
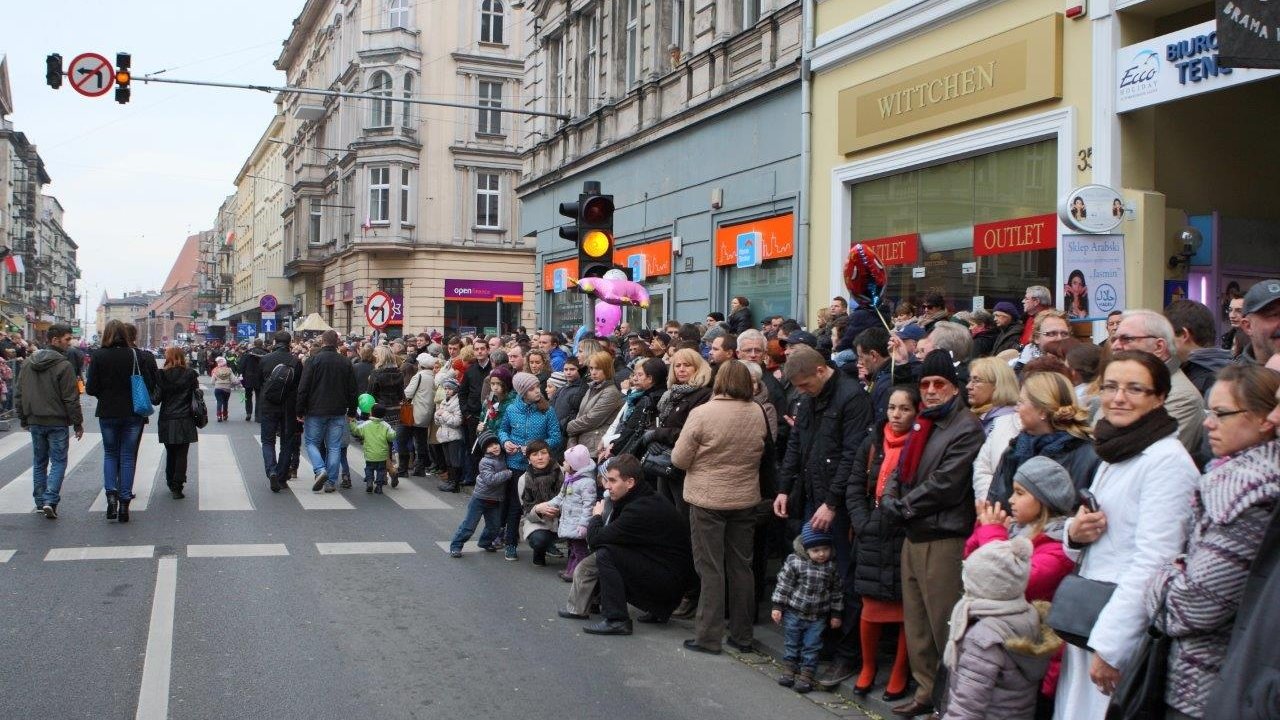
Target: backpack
[{"x": 273, "y": 389}]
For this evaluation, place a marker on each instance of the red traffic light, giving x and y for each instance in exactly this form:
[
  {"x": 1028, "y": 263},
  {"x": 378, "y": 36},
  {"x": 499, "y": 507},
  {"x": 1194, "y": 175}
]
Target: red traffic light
[{"x": 598, "y": 209}]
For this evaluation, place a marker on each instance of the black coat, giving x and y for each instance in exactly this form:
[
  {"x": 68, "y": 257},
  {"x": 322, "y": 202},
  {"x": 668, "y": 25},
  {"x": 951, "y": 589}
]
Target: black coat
[
  {"x": 669, "y": 425},
  {"x": 471, "y": 391},
  {"x": 567, "y": 401},
  {"x": 177, "y": 424},
  {"x": 251, "y": 368},
  {"x": 328, "y": 386},
  {"x": 861, "y": 317},
  {"x": 648, "y": 540},
  {"x": 386, "y": 385},
  {"x": 643, "y": 416},
  {"x": 739, "y": 320},
  {"x": 824, "y": 442},
  {"x": 1009, "y": 338},
  {"x": 1079, "y": 459},
  {"x": 281, "y": 356},
  {"x": 363, "y": 371},
  {"x": 877, "y": 537},
  {"x": 109, "y": 373},
  {"x": 984, "y": 343}
]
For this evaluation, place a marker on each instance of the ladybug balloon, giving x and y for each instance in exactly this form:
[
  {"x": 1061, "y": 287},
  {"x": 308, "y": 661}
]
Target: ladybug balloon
[{"x": 864, "y": 274}]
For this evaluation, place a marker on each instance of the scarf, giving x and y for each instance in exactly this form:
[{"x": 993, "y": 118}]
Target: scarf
[
  {"x": 673, "y": 395},
  {"x": 1005, "y": 613},
  {"x": 1053, "y": 529},
  {"x": 630, "y": 402},
  {"x": 539, "y": 486},
  {"x": 1117, "y": 444},
  {"x": 893, "y": 444},
  {"x": 919, "y": 437},
  {"x": 1027, "y": 446}
]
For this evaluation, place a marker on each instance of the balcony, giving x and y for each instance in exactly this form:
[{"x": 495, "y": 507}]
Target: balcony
[
  {"x": 306, "y": 259},
  {"x": 391, "y": 41}
]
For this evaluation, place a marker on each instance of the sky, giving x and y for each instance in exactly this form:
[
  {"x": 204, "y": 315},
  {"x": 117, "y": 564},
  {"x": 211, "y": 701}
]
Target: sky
[{"x": 135, "y": 180}]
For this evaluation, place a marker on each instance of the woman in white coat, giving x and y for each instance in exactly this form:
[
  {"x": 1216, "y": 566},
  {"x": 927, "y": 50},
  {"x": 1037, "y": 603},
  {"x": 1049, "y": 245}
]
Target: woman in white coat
[
  {"x": 1144, "y": 490},
  {"x": 421, "y": 391}
]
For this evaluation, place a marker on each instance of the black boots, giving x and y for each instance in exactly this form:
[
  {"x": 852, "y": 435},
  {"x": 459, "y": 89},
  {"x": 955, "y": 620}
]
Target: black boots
[
  {"x": 124, "y": 511},
  {"x": 112, "y": 506}
]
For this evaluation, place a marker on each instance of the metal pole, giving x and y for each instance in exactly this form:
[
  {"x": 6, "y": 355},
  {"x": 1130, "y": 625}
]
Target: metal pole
[{"x": 497, "y": 304}]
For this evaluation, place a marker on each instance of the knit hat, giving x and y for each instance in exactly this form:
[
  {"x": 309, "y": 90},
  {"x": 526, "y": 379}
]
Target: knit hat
[
  {"x": 1007, "y": 308},
  {"x": 938, "y": 363},
  {"x": 435, "y": 349},
  {"x": 998, "y": 570},
  {"x": 578, "y": 458},
  {"x": 911, "y": 331},
  {"x": 523, "y": 382},
  {"x": 459, "y": 367},
  {"x": 1048, "y": 482},
  {"x": 811, "y": 538},
  {"x": 426, "y": 361},
  {"x": 556, "y": 380},
  {"x": 503, "y": 373},
  {"x": 450, "y": 384},
  {"x": 220, "y": 361},
  {"x": 486, "y": 439}
]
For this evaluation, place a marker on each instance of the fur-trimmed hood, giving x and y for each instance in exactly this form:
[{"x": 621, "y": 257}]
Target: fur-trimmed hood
[{"x": 1039, "y": 649}]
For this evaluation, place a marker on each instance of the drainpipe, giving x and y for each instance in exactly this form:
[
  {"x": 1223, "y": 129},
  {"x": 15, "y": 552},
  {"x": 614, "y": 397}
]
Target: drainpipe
[{"x": 806, "y": 149}]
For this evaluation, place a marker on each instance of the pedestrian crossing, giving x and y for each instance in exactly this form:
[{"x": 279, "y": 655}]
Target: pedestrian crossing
[
  {"x": 15, "y": 497},
  {"x": 229, "y": 550}
]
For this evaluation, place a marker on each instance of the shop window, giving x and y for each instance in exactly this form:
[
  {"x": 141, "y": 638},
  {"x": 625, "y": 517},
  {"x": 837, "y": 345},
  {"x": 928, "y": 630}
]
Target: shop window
[
  {"x": 942, "y": 204},
  {"x": 767, "y": 287},
  {"x": 482, "y": 316},
  {"x": 565, "y": 311}
]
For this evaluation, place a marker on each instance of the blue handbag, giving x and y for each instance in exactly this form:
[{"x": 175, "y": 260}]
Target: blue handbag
[{"x": 139, "y": 392}]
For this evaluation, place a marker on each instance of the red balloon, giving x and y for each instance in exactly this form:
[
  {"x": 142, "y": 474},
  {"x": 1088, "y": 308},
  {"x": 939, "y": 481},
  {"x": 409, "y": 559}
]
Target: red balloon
[{"x": 863, "y": 272}]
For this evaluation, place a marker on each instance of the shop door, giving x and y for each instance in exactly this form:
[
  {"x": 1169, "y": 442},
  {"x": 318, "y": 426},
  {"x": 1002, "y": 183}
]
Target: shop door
[{"x": 659, "y": 300}]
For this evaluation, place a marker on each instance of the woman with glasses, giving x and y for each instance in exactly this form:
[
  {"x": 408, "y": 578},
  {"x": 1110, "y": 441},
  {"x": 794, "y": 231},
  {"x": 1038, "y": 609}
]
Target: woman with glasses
[
  {"x": 1050, "y": 325},
  {"x": 992, "y": 392},
  {"x": 1143, "y": 490},
  {"x": 1201, "y": 590}
]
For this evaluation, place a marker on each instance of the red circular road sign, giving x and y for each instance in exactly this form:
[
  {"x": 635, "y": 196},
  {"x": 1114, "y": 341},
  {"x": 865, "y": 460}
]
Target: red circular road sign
[
  {"x": 91, "y": 74},
  {"x": 377, "y": 309}
]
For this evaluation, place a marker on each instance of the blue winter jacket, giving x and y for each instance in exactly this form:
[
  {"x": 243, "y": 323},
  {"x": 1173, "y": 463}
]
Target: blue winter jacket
[
  {"x": 523, "y": 423},
  {"x": 491, "y": 478}
]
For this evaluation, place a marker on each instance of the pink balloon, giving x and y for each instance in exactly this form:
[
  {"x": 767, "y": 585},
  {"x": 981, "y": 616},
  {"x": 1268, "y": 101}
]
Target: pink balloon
[
  {"x": 607, "y": 318},
  {"x": 616, "y": 292}
]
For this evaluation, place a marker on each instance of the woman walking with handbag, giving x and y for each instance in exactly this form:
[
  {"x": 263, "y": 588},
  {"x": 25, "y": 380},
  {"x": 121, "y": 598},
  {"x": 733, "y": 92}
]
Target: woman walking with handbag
[
  {"x": 1234, "y": 501},
  {"x": 123, "y": 404},
  {"x": 176, "y": 426},
  {"x": 1143, "y": 493}
]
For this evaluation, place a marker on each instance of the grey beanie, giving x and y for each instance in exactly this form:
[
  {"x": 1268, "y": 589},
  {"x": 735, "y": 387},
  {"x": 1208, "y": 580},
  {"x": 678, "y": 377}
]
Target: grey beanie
[
  {"x": 998, "y": 570},
  {"x": 1048, "y": 482}
]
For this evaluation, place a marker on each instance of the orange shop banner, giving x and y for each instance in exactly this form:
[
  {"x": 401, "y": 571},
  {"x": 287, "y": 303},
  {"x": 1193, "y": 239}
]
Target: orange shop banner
[
  {"x": 1039, "y": 232},
  {"x": 777, "y": 238},
  {"x": 896, "y": 249},
  {"x": 646, "y": 261},
  {"x": 555, "y": 275}
]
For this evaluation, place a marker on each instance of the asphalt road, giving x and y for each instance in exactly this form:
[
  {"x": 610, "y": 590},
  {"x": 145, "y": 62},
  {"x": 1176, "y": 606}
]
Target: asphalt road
[{"x": 382, "y": 623}]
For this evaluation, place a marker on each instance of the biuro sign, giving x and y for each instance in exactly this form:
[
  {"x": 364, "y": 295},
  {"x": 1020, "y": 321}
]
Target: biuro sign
[{"x": 1019, "y": 235}]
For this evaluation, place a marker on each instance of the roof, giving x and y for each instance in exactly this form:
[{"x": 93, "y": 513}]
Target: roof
[{"x": 184, "y": 269}]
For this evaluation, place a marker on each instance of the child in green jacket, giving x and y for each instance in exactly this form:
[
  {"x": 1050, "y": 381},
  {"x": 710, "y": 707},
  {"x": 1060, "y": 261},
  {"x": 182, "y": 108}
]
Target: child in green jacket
[{"x": 379, "y": 440}]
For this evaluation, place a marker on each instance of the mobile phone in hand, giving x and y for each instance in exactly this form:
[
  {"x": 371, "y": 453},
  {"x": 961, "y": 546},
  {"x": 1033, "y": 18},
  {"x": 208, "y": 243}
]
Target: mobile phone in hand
[{"x": 1089, "y": 501}]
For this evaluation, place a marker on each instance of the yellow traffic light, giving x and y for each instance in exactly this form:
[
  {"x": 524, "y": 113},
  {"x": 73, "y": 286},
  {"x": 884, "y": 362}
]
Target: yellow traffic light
[
  {"x": 122, "y": 77},
  {"x": 596, "y": 244}
]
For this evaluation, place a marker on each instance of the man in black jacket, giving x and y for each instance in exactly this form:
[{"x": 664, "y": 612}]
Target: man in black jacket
[
  {"x": 251, "y": 375},
  {"x": 831, "y": 421},
  {"x": 326, "y": 398},
  {"x": 641, "y": 551},
  {"x": 278, "y": 418}
]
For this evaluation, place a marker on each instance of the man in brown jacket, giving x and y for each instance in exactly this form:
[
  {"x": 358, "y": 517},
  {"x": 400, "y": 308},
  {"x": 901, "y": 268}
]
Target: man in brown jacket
[{"x": 47, "y": 401}]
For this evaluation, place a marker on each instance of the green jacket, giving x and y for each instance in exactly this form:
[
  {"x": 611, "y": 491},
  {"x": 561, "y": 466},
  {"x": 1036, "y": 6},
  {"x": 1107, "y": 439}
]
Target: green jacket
[
  {"x": 46, "y": 392},
  {"x": 377, "y": 436}
]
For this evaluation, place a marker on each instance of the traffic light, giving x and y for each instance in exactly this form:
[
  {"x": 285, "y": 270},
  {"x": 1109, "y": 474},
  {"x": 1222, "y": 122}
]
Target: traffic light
[
  {"x": 170, "y": 314},
  {"x": 53, "y": 70},
  {"x": 151, "y": 314},
  {"x": 123, "y": 76},
  {"x": 592, "y": 230}
]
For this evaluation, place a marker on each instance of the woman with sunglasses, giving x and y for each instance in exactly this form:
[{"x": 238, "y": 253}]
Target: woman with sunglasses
[{"x": 1143, "y": 491}]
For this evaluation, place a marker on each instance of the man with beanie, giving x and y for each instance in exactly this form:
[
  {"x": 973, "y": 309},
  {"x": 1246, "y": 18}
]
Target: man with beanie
[
  {"x": 931, "y": 491},
  {"x": 996, "y": 651},
  {"x": 1008, "y": 327},
  {"x": 832, "y": 418},
  {"x": 807, "y": 598}
]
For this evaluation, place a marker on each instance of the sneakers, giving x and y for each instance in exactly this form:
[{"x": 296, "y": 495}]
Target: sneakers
[
  {"x": 346, "y": 481},
  {"x": 321, "y": 478},
  {"x": 455, "y": 553},
  {"x": 449, "y": 487},
  {"x": 51, "y": 512},
  {"x": 330, "y": 488},
  {"x": 510, "y": 553},
  {"x": 494, "y": 546},
  {"x": 368, "y": 487},
  {"x": 555, "y": 551}
]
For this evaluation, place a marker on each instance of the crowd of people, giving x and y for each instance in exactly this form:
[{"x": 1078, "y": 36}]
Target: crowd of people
[{"x": 951, "y": 477}]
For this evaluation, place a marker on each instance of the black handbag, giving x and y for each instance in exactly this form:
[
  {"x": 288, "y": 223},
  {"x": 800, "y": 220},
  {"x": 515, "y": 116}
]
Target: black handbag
[
  {"x": 657, "y": 463},
  {"x": 1076, "y": 606},
  {"x": 1140, "y": 693},
  {"x": 199, "y": 410}
]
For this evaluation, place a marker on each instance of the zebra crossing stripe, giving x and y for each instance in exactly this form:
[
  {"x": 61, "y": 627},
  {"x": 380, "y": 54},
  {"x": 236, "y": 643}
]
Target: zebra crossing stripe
[
  {"x": 112, "y": 552},
  {"x": 6, "y": 555},
  {"x": 409, "y": 495},
  {"x": 241, "y": 550},
  {"x": 365, "y": 548},
  {"x": 15, "y": 497},
  {"x": 220, "y": 482}
]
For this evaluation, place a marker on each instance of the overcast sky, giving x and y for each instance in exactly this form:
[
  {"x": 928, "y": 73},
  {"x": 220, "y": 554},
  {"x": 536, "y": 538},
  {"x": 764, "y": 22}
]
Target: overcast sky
[{"x": 136, "y": 179}]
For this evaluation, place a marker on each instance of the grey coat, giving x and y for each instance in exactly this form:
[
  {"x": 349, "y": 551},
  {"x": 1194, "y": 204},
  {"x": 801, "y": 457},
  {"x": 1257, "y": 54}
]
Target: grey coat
[{"x": 999, "y": 677}]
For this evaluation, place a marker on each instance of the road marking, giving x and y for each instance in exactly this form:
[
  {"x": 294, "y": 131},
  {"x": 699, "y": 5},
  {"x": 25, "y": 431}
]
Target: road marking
[
  {"x": 364, "y": 548},
  {"x": 6, "y": 555},
  {"x": 16, "y": 497},
  {"x": 301, "y": 489},
  {"x": 242, "y": 550},
  {"x": 221, "y": 484},
  {"x": 409, "y": 495},
  {"x": 148, "y": 465},
  {"x": 14, "y": 442},
  {"x": 111, "y": 552},
  {"x": 153, "y": 695},
  {"x": 471, "y": 546}
]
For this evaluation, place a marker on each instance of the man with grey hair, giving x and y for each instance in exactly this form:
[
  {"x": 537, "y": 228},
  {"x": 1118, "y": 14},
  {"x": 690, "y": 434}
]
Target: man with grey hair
[
  {"x": 1149, "y": 331},
  {"x": 752, "y": 348},
  {"x": 1036, "y": 300}
]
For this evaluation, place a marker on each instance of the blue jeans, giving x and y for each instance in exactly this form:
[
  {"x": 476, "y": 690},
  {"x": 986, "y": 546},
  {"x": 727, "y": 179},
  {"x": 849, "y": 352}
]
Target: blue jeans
[
  {"x": 326, "y": 429},
  {"x": 477, "y": 508},
  {"x": 221, "y": 397},
  {"x": 803, "y": 639},
  {"x": 272, "y": 426},
  {"x": 48, "y": 462},
  {"x": 120, "y": 437},
  {"x": 375, "y": 471}
]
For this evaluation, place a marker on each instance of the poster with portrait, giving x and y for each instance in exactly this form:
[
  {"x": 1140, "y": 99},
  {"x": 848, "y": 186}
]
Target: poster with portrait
[
  {"x": 1092, "y": 209},
  {"x": 1093, "y": 276}
]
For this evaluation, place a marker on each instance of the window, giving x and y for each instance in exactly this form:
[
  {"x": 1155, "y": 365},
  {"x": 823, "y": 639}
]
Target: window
[
  {"x": 555, "y": 75},
  {"x": 348, "y": 211},
  {"x": 405, "y": 194},
  {"x": 491, "y": 21},
  {"x": 487, "y": 200},
  {"x": 750, "y": 13},
  {"x": 313, "y": 229},
  {"x": 490, "y": 122},
  {"x": 380, "y": 85},
  {"x": 398, "y": 14},
  {"x": 677, "y": 24},
  {"x": 406, "y": 114},
  {"x": 590, "y": 57},
  {"x": 379, "y": 193},
  {"x": 633, "y": 42}
]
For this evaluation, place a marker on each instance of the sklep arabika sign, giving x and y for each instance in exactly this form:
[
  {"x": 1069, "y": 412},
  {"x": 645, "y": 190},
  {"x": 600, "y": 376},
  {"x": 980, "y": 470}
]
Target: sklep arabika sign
[
  {"x": 1249, "y": 33},
  {"x": 1179, "y": 65}
]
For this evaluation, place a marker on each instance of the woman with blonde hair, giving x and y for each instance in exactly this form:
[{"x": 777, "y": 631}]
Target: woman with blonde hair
[
  {"x": 993, "y": 396},
  {"x": 688, "y": 386},
  {"x": 1054, "y": 426}
]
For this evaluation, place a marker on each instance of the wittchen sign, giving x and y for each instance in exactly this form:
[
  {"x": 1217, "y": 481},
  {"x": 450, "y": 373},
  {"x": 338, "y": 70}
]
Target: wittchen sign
[
  {"x": 1249, "y": 33},
  {"x": 1175, "y": 66}
]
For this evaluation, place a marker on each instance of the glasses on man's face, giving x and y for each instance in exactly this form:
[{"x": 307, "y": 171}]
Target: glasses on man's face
[
  {"x": 1220, "y": 415},
  {"x": 933, "y": 384},
  {"x": 1056, "y": 334},
  {"x": 1130, "y": 390}
]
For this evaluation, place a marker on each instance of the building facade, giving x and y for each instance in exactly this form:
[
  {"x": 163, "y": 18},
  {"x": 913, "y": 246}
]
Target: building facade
[
  {"x": 417, "y": 201},
  {"x": 689, "y": 113},
  {"x": 131, "y": 307}
]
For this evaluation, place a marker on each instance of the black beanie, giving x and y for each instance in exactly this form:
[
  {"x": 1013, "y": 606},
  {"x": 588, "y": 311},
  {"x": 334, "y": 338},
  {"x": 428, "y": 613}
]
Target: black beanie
[{"x": 939, "y": 363}]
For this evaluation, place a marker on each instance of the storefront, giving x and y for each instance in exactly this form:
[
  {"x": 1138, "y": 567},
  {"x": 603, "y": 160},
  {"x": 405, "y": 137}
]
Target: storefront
[
  {"x": 754, "y": 259},
  {"x": 482, "y": 306}
]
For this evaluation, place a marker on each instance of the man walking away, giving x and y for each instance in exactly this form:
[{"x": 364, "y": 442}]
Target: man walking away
[
  {"x": 326, "y": 399},
  {"x": 251, "y": 375},
  {"x": 48, "y": 401},
  {"x": 281, "y": 372}
]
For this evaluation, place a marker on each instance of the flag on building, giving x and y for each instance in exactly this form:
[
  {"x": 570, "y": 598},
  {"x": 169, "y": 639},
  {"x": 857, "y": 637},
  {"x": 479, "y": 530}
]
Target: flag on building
[
  {"x": 231, "y": 237},
  {"x": 14, "y": 265},
  {"x": 364, "y": 228}
]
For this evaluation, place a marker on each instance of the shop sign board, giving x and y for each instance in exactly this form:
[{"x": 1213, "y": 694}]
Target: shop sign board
[
  {"x": 1092, "y": 209},
  {"x": 555, "y": 275},
  {"x": 774, "y": 238},
  {"x": 1174, "y": 66},
  {"x": 1098, "y": 263},
  {"x": 1039, "y": 232},
  {"x": 1011, "y": 70},
  {"x": 1248, "y": 31},
  {"x": 484, "y": 290},
  {"x": 896, "y": 249},
  {"x": 748, "y": 244},
  {"x": 653, "y": 259}
]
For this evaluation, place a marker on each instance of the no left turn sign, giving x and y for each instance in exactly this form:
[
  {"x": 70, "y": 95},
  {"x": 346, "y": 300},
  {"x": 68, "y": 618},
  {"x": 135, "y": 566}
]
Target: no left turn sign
[
  {"x": 377, "y": 309},
  {"x": 91, "y": 74}
]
